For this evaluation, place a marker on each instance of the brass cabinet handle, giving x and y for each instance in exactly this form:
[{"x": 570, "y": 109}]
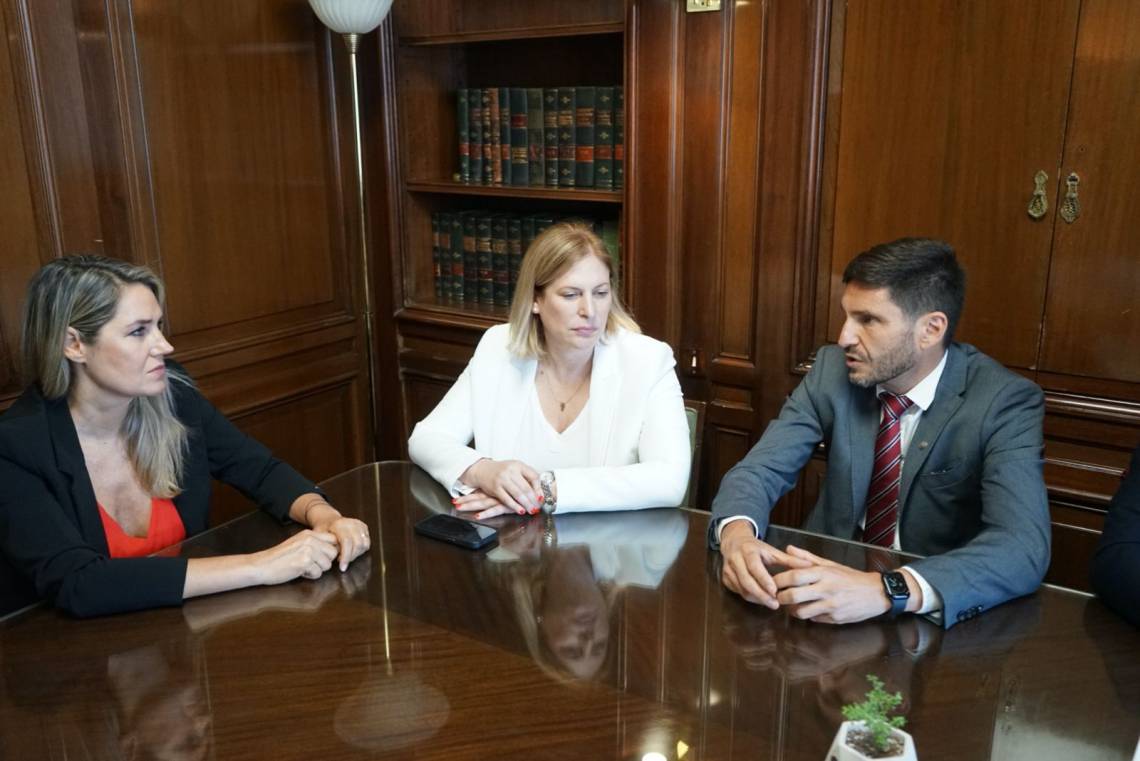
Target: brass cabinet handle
[
  {"x": 1039, "y": 203},
  {"x": 1071, "y": 206}
]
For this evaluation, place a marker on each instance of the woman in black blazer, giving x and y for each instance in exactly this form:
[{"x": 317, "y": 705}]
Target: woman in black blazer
[{"x": 111, "y": 439}]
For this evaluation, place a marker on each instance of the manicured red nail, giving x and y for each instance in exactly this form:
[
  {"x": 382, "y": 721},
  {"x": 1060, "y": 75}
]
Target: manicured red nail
[
  {"x": 541, "y": 498},
  {"x": 534, "y": 511}
]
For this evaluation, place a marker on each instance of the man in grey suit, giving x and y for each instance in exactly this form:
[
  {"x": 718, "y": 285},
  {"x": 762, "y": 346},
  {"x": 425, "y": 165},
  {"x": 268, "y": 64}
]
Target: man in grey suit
[{"x": 932, "y": 448}]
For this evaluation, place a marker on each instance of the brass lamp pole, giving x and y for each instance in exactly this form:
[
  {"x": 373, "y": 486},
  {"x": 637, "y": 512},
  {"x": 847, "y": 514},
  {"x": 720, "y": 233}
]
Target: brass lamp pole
[{"x": 351, "y": 19}]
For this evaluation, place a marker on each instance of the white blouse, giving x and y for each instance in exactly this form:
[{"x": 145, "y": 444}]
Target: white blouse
[{"x": 546, "y": 448}]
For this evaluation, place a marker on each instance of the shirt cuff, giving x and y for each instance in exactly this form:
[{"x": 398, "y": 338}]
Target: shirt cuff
[
  {"x": 460, "y": 489},
  {"x": 931, "y": 600},
  {"x": 725, "y": 521}
]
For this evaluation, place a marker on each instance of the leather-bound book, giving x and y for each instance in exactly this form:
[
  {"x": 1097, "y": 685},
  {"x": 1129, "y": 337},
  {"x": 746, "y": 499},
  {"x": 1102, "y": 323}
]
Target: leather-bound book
[
  {"x": 475, "y": 135},
  {"x": 462, "y": 122},
  {"x": 584, "y": 136},
  {"x": 505, "y": 134},
  {"x": 470, "y": 257},
  {"x": 520, "y": 138},
  {"x": 486, "y": 289},
  {"x": 604, "y": 140},
  {"x": 436, "y": 264},
  {"x": 536, "y": 149},
  {"x": 567, "y": 112},
  {"x": 550, "y": 134},
  {"x": 500, "y": 261},
  {"x": 492, "y": 167},
  {"x": 619, "y": 137},
  {"x": 514, "y": 254}
]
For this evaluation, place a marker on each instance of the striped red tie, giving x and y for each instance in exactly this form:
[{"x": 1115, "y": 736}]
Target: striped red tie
[{"x": 883, "y": 495}]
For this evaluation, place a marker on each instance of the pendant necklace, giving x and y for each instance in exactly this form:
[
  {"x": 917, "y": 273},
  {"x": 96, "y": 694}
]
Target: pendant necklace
[{"x": 561, "y": 404}]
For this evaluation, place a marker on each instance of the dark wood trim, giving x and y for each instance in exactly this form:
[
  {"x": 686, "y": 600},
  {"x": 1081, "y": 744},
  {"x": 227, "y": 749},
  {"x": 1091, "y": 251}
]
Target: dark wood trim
[
  {"x": 530, "y": 32},
  {"x": 37, "y": 149},
  {"x": 815, "y": 193},
  {"x": 448, "y": 187},
  {"x": 141, "y": 208}
]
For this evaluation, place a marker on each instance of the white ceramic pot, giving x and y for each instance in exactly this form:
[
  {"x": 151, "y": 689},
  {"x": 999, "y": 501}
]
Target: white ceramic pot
[{"x": 841, "y": 751}]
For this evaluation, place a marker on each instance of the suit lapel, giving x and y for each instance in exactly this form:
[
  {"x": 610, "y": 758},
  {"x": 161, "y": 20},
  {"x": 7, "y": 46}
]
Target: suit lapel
[
  {"x": 69, "y": 460},
  {"x": 947, "y": 400},
  {"x": 604, "y": 391},
  {"x": 865, "y": 414},
  {"x": 511, "y": 399}
]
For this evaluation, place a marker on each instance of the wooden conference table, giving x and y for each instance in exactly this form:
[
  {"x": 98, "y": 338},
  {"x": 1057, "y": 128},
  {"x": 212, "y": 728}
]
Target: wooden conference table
[{"x": 603, "y": 636}]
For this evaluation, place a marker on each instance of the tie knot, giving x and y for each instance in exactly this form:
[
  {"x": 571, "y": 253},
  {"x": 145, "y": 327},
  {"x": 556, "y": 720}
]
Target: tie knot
[{"x": 896, "y": 404}]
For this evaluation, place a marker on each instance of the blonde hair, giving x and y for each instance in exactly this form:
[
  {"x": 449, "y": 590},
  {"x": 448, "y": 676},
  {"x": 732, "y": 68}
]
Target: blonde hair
[
  {"x": 552, "y": 253},
  {"x": 82, "y": 292}
]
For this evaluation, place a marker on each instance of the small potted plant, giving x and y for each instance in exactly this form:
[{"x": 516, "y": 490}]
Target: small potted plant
[{"x": 870, "y": 732}]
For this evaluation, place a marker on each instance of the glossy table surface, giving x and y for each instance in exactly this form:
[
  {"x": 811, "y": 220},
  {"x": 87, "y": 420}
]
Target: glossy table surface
[{"x": 603, "y": 636}]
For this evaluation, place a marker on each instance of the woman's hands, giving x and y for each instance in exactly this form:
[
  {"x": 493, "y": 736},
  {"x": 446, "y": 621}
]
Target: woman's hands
[
  {"x": 501, "y": 486},
  {"x": 309, "y": 554},
  {"x": 349, "y": 534}
]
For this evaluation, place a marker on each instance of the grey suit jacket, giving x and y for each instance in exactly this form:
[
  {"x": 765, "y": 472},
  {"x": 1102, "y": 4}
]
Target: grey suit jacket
[{"x": 972, "y": 495}]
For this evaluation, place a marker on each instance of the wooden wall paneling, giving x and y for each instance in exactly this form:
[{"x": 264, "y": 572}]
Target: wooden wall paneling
[
  {"x": 376, "y": 60},
  {"x": 20, "y": 253},
  {"x": 903, "y": 169},
  {"x": 444, "y": 19},
  {"x": 241, "y": 131},
  {"x": 1091, "y": 322},
  {"x": 48, "y": 38},
  {"x": 655, "y": 105},
  {"x": 223, "y": 140},
  {"x": 308, "y": 430},
  {"x": 746, "y": 234}
]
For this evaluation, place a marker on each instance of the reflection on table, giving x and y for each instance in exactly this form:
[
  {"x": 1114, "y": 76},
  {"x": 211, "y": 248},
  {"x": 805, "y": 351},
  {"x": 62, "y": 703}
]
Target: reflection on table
[{"x": 591, "y": 636}]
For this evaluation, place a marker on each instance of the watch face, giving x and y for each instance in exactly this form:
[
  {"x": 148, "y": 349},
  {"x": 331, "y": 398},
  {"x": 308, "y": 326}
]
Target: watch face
[{"x": 896, "y": 585}]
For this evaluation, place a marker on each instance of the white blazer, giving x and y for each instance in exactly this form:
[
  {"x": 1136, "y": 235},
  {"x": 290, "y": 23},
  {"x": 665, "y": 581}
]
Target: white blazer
[{"x": 639, "y": 437}]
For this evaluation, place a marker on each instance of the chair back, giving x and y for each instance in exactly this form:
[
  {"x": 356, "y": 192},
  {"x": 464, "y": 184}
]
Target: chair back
[{"x": 695, "y": 414}]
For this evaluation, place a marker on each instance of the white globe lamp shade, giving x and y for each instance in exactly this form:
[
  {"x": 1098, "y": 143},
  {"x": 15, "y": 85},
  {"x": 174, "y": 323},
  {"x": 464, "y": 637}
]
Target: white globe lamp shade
[{"x": 351, "y": 16}]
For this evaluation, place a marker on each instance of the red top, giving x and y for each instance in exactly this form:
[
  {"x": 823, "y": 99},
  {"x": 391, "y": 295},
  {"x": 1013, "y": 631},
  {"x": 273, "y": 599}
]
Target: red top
[{"x": 165, "y": 529}]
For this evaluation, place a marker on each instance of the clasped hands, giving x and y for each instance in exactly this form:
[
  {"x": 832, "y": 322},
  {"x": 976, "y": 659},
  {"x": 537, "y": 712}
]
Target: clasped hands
[
  {"x": 811, "y": 587},
  {"x": 501, "y": 487}
]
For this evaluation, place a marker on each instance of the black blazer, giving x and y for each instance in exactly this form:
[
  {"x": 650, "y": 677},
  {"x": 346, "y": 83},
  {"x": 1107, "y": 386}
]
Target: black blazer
[
  {"x": 52, "y": 544},
  {"x": 1116, "y": 564}
]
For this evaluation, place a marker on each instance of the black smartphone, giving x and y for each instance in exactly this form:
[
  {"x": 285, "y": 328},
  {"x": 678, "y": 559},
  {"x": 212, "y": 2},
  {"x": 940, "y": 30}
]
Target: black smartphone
[{"x": 467, "y": 534}]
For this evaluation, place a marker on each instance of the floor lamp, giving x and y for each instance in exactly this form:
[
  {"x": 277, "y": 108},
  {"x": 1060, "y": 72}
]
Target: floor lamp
[{"x": 351, "y": 19}]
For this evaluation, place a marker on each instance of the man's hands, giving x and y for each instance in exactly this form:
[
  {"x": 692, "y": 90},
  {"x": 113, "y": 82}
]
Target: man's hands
[
  {"x": 746, "y": 561},
  {"x": 812, "y": 587}
]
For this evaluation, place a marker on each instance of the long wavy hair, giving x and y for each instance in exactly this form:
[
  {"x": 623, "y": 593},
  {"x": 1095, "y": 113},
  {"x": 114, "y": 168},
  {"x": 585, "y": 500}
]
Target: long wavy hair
[{"x": 82, "y": 292}]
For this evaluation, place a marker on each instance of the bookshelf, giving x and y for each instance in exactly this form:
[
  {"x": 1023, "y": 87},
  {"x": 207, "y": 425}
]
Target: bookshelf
[{"x": 444, "y": 45}]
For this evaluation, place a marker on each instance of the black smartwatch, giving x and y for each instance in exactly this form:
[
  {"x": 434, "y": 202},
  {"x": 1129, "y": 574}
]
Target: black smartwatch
[{"x": 894, "y": 584}]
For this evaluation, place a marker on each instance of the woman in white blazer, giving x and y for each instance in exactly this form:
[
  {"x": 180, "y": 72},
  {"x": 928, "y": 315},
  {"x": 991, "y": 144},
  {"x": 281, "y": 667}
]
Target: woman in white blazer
[{"x": 565, "y": 408}]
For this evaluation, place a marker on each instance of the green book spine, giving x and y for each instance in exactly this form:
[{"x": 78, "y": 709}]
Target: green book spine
[
  {"x": 486, "y": 276},
  {"x": 490, "y": 136},
  {"x": 584, "y": 117},
  {"x": 436, "y": 264},
  {"x": 520, "y": 138},
  {"x": 470, "y": 257},
  {"x": 550, "y": 134},
  {"x": 619, "y": 137},
  {"x": 461, "y": 121},
  {"x": 500, "y": 261},
  {"x": 452, "y": 229},
  {"x": 536, "y": 150},
  {"x": 505, "y": 134},
  {"x": 528, "y": 232},
  {"x": 475, "y": 135},
  {"x": 514, "y": 254},
  {"x": 567, "y": 108},
  {"x": 604, "y": 140}
]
